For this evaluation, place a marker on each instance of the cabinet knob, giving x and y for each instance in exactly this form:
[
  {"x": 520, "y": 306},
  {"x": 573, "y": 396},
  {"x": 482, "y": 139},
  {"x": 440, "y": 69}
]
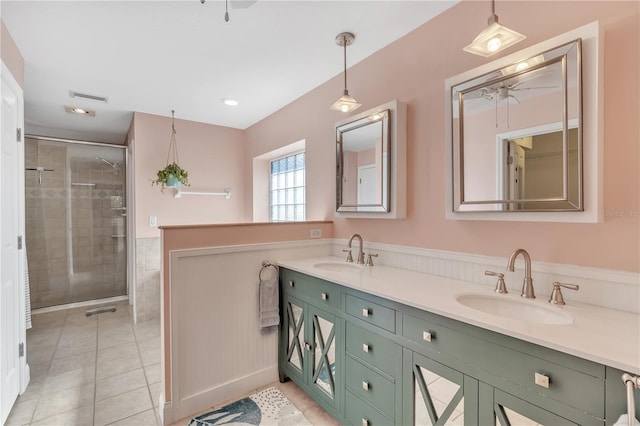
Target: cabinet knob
[
  {"x": 542, "y": 380},
  {"x": 365, "y": 386},
  {"x": 291, "y": 284},
  {"x": 365, "y": 422},
  {"x": 366, "y": 312},
  {"x": 427, "y": 336},
  {"x": 324, "y": 296},
  {"x": 365, "y": 347}
]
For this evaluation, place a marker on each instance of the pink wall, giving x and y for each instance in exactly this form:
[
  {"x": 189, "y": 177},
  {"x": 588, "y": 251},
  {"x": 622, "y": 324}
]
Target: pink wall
[
  {"x": 11, "y": 56},
  {"x": 413, "y": 70},
  {"x": 211, "y": 154}
]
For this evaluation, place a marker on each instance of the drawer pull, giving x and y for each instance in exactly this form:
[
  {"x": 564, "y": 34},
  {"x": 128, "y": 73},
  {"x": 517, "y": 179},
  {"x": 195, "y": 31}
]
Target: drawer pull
[
  {"x": 365, "y": 347},
  {"x": 542, "y": 380},
  {"x": 427, "y": 336},
  {"x": 324, "y": 296},
  {"x": 365, "y": 422},
  {"x": 366, "y": 312},
  {"x": 291, "y": 284},
  {"x": 365, "y": 386}
]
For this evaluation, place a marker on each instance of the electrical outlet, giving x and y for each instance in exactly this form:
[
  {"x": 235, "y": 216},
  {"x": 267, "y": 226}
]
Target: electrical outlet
[
  {"x": 315, "y": 233},
  {"x": 153, "y": 221}
]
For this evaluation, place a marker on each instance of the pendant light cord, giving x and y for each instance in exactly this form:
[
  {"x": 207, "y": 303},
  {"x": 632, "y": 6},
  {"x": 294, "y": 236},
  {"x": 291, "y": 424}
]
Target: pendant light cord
[
  {"x": 173, "y": 144},
  {"x": 344, "y": 44}
]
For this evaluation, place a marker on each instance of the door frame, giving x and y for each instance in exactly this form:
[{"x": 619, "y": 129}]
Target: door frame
[{"x": 10, "y": 80}]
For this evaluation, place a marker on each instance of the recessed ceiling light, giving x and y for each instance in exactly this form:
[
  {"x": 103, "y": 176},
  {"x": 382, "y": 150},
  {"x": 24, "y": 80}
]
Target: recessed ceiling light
[
  {"x": 230, "y": 102},
  {"x": 80, "y": 111}
]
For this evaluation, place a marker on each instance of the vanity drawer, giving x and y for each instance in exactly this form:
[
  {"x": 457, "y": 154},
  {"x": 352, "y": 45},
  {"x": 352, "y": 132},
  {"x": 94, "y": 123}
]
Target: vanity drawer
[
  {"x": 539, "y": 380},
  {"x": 425, "y": 333},
  {"x": 373, "y": 349},
  {"x": 359, "y": 413},
  {"x": 315, "y": 290},
  {"x": 370, "y": 386},
  {"x": 372, "y": 313}
]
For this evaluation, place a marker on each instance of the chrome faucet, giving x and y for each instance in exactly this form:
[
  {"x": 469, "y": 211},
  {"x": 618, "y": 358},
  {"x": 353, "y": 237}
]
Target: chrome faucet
[
  {"x": 361, "y": 249},
  {"x": 527, "y": 284}
]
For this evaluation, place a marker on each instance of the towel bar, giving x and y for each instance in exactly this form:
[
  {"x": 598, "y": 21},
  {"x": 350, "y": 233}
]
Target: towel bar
[
  {"x": 631, "y": 382},
  {"x": 266, "y": 264}
]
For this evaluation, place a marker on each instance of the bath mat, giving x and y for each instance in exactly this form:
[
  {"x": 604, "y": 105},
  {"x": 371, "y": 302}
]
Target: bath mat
[{"x": 268, "y": 407}]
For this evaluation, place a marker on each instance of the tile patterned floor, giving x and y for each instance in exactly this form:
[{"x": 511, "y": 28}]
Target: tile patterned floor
[
  {"x": 104, "y": 370},
  {"x": 97, "y": 370}
]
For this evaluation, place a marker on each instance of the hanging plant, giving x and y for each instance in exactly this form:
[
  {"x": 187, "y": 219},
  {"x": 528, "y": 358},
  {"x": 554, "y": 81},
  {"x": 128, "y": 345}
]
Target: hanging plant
[{"x": 172, "y": 175}]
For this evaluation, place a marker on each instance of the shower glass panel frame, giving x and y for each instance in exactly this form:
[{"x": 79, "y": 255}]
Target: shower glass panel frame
[{"x": 76, "y": 220}]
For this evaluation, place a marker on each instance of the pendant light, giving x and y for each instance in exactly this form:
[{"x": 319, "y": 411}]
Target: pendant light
[
  {"x": 495, "y": 38},
  {"x": 346, "y": 103}
]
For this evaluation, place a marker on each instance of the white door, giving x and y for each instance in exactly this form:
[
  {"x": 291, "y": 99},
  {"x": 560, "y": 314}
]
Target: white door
[
  {"x": 367, "y": 186},
  {"x": 10, "y": 282}
]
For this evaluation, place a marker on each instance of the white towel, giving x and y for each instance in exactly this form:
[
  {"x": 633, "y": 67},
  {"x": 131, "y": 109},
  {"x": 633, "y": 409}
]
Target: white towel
[
  {"x": 624, "y": 421},
  {"x": 27, "y": 290},
  {"x": 269, "y": 302}
]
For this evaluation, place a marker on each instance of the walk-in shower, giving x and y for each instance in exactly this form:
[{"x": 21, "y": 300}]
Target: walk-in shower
[{"x": 76, "y": 221}]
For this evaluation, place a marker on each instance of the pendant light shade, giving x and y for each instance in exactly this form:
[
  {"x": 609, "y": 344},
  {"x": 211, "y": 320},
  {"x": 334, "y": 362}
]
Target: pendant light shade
[
  {"x": 346, "y": 103},
  {"x": 495, "y": 38}
]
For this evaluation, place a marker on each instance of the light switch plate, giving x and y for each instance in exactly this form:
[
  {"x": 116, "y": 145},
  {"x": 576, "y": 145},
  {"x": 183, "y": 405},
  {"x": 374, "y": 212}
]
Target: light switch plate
[{"x": 153, "y": 221}]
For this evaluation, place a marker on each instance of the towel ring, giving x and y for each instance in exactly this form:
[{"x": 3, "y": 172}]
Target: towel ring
[{"x": 265, "y": 265}]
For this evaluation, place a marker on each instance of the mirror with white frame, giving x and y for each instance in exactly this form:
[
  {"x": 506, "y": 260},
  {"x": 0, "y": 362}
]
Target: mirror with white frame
[
  {"x": 517, "y": 135},
  {"x": 370, "y": 163}
]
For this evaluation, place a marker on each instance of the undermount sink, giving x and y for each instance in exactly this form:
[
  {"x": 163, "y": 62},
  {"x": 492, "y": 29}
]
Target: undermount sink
[
  {"x": 338, "y": 266},
  {"x": 510, "y": 307}
]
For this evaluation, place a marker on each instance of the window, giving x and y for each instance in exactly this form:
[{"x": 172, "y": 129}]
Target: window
[{"x": 287, "y": 192}]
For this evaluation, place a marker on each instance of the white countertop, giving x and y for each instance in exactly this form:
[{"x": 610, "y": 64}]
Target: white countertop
[{"x": 598, "y": 334}]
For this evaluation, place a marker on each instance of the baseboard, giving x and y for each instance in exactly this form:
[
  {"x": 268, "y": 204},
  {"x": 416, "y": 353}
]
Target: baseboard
[
  {"x": 222, "y": 393},
  {"x": 165, "y": 411}
]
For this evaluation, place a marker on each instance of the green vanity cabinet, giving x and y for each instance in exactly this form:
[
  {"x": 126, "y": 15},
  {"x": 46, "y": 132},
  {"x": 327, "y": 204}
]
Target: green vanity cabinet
[
  {"x": 435, "y": 394},
  {"x": 311, "y": 338},
  {"x": 395, "y": 364}
]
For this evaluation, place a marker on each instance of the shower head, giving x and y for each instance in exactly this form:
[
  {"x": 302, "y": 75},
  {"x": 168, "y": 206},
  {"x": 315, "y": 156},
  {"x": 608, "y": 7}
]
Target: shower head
[{"x": 114, "y": 165}]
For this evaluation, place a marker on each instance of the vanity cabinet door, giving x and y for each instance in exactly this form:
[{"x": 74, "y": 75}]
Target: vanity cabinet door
[
  {"x": 435, "y": 394},
  {"x": 292, "y": 342},
  {"x": 323, "y": 360},
  {"x": 502, "y": 409}
]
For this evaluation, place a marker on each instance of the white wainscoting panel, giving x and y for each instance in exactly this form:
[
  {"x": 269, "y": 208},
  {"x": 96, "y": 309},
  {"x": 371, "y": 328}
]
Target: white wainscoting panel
[
  {"x": 218, "y": 351},
  {"x": 612, "y": 289}
]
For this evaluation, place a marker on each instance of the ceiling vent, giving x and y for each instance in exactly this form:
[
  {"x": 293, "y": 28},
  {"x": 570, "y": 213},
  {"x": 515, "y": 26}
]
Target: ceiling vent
[{"x": 95, "y": 98}]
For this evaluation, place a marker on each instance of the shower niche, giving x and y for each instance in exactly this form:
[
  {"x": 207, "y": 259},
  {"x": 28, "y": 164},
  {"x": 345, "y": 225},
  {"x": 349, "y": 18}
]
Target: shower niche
[{"x": 76, "y": 221}]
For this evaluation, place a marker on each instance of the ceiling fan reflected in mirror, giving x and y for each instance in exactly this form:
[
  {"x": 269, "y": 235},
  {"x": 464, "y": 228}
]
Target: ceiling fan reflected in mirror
[
  {"x": 235, "y": 4},
  {"x": 502, "y": 91}
]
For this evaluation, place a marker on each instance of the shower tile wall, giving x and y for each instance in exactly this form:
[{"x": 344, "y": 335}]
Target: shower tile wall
[
  {"x": 74, "y": 232},
  {"x": 147, "y": 278}
]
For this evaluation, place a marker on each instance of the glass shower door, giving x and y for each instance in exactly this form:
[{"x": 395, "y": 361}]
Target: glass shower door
[{"x": 75, "y": 221}]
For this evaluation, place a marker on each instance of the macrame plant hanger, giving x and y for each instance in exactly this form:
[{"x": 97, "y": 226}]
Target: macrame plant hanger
[{"x": 173, "y": 144}]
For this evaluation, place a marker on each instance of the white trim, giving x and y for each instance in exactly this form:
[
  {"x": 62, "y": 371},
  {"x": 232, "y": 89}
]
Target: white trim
[
  {"x": 8, "y": 77},
  {"x": 177, "y": 254},
  {"x": 131, "y": 227}
]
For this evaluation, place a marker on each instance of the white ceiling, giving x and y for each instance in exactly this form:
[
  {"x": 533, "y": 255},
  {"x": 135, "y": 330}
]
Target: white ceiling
[{"x": 155, "y": 56}]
